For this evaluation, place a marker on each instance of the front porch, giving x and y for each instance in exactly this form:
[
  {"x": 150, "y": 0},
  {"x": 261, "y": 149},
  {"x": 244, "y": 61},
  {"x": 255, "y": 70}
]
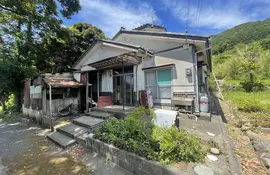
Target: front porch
[{"x": 112, "y": 81}]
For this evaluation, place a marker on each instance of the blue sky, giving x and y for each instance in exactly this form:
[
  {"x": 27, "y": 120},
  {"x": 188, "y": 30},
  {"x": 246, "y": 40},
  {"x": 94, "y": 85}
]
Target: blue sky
[{"x": 201, "y": 16}]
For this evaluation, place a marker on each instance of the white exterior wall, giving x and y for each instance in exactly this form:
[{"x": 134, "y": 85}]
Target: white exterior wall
[
  {"x": 181, "y": 59},
  {"x": 77, "y": 76},
  {"x": 98, "y": 53}
]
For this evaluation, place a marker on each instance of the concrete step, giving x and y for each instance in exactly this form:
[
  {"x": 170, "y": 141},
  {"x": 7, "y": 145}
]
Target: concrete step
[
  {"x": 117, "y": 113},
  {"x": 82, "y": 139},
  {"x": 88, "y": 122},
  {"x": 73, "y": 130},
  {"x": 101, "y": 115},
  {"x": 61, "y": 139}
]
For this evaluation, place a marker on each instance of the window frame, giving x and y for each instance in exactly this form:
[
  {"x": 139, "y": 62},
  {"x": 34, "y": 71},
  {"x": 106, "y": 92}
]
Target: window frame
[{"x": 157, "y": 86}]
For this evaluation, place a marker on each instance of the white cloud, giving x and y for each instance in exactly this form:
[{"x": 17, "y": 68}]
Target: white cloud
[
  {"x": 217, "y": 14},
  {"x": 111, "y": 15}
]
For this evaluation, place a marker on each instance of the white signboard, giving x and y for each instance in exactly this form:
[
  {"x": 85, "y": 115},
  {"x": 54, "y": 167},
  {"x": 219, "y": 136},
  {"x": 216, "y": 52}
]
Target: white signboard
[{"x": 35, "y": 89}]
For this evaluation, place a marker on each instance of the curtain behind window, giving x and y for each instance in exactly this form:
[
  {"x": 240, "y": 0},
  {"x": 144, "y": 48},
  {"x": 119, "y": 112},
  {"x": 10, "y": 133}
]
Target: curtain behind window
[{"x": 151, "y": 83}]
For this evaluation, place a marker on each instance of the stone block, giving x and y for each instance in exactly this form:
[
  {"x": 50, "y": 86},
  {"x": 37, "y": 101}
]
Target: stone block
[
  {"x": 139, "y": 171},
  {"x": 153, "y": 167},
  {"x": 125, "y": 164}
]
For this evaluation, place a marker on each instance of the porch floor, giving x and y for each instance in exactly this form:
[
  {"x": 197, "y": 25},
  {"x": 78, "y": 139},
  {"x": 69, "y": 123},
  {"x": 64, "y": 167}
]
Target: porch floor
[{"x": 117, "y": 110}]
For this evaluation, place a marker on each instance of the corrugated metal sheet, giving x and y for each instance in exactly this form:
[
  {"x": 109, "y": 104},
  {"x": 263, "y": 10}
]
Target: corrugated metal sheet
[{"x": 58, "y": 82}]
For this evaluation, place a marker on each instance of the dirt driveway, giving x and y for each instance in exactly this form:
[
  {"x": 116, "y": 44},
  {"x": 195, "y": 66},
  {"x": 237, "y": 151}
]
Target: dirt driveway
[{"x": 24, "y": 150}]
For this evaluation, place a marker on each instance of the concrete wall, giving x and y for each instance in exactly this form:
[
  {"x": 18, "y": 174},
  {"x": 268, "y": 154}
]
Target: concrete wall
[
  {"x": 130, "y": 161},
  {"x": 37, "y": 115}
]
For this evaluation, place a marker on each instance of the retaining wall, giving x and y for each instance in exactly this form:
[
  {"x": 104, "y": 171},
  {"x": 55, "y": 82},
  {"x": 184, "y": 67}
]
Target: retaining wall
[{"x": 129, "y": 161}]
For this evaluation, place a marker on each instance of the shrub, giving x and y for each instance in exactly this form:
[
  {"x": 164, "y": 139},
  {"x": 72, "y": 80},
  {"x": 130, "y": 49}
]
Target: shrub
[
  {"x": 249, "y": 86},
  {"x": 178, "y": 145},
  {"x": 131, "y": 134},
  {"x": 145, "y": 139}
]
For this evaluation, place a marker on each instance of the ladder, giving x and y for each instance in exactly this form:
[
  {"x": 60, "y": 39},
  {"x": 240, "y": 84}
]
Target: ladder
[{"x": 219, "y": 90}]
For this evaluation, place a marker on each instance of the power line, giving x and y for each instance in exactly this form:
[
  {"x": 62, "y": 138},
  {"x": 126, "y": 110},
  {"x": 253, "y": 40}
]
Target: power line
[
  {"x": 199, "y": 12},
  {"x": 187, "y": 17}
]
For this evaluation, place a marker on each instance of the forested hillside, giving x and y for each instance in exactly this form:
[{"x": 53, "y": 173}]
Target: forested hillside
[
  {"x": 244, "y": 33},
  {"x": 242, "y": 60},
  {"x": 242, "y": 51}
]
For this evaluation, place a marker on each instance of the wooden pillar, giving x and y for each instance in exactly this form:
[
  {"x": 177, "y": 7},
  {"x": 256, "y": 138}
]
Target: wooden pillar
[
  {"x": 91, "y": 96},
  {"x": 50, "y": 94},
  {"x": 86, "y": 93},
  {"x": 122, "y": 85},
  {"x": 97, "y": 83}
]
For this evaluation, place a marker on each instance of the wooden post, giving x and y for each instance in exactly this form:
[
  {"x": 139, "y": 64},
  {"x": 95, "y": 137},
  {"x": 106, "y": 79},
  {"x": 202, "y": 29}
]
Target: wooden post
[
  {"x": 86, "y": 93},
  {"x": 123, "y": 88},
  {"x": 91, "y": 96},
  {"x": 97, "y": 83},
  {"x": 50, "y": 94}
]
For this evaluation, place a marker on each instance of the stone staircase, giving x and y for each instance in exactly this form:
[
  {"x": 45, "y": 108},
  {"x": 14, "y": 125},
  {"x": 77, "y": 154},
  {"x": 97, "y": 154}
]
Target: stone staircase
[{"x": 79, "y": 129}]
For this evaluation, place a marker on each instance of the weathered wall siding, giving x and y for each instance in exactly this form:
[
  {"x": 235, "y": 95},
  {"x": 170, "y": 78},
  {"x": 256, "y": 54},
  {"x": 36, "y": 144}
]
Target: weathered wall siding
[
  {"x": 44, "y": 96},
  {"x": 83, "y": 78},
  {"x": 27, "y": 94},
  {"x": 57, "y": 102}
]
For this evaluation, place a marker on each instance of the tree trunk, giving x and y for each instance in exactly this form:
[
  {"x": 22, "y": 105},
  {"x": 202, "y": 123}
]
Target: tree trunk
[
  {"x": 18, "y": 101},
  {"x": 4, "y": 108}
]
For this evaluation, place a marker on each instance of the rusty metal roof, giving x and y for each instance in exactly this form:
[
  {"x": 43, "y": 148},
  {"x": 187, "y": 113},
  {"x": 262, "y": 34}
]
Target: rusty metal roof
[{"x": 62, "y": 82}]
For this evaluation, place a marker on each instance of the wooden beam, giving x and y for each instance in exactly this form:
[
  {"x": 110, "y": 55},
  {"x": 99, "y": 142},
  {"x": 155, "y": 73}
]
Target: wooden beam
[
  {"x": 50, "y": 94},
  {"x": 86, "y": 93}
]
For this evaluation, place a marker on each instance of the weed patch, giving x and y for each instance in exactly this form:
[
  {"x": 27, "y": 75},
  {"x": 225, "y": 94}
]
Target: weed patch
[{"x": 140, "y": 136}]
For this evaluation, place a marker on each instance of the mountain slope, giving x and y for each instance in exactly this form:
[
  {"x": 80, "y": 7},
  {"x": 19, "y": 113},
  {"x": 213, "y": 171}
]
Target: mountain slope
[{"x": 244, "y": 33}]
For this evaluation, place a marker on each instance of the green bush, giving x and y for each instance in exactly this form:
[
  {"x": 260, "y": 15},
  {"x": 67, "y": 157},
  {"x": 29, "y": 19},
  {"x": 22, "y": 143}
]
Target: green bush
[
  {"x": 131, "y": 134},
  {"x": 250, "y": 86},
  {"x": 142, "y": 137},
  {"x": 178, "y": 145}
]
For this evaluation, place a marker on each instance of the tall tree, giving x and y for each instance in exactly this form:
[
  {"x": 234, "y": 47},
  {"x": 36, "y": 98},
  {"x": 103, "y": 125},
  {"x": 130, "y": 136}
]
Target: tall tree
[
  {"x": 62, "y": 50},
  {"x": 23, "y": 25}
]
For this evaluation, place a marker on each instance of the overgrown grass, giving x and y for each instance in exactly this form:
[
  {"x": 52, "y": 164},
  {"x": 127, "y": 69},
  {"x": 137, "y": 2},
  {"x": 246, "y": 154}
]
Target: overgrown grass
[
  {"x": 140, "y": 136},
  {"x": 252, "y": 105},
  {"x": 250, "y": 101}
]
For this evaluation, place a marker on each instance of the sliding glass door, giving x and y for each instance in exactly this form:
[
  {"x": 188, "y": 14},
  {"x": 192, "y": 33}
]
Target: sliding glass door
[{"x": 123, "y": 85}]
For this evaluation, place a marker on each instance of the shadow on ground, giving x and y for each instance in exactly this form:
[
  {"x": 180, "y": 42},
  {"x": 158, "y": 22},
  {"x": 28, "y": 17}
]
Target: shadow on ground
[{"x": 24, "y": 150}]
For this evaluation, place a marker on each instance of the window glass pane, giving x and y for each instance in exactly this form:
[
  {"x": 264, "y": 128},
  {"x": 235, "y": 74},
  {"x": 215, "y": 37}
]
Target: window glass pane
[
  {"x": 164, "y": 77},
  {"x": 151, "y": 78},
  {"x": 151, "y": 82}
]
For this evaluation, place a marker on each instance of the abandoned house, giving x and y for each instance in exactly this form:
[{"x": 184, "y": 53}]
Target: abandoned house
[
  {"x": 174, "y": 66},
  {"x": 44, "y": 95}
]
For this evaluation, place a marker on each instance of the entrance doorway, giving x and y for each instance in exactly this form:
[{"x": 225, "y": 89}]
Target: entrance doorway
[{"x": 123, "y": 86}]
